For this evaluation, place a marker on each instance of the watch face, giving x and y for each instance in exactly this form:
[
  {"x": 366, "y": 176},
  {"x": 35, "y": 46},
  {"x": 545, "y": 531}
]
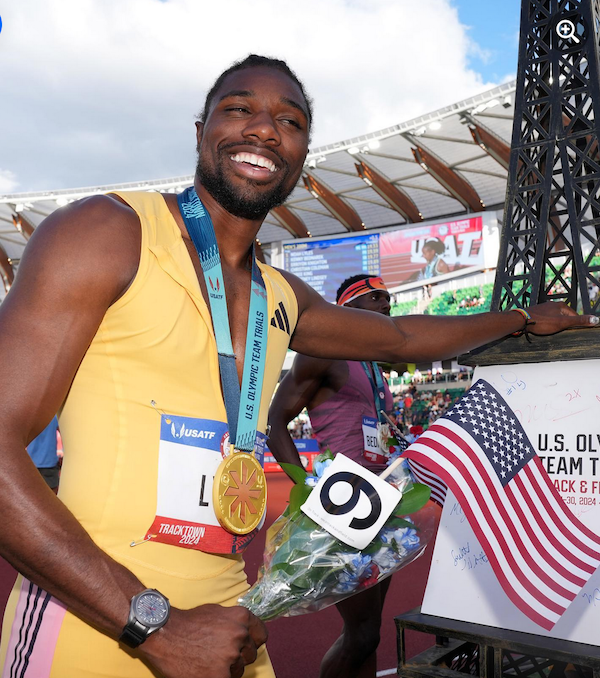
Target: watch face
[{"x": 151, "y": 609}]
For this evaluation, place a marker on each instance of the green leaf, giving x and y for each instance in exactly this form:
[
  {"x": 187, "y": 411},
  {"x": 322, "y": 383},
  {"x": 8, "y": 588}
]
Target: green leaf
[
  {"x": 413, "y": 500},
  {"x": 392, "y": 440},
  {"x": 324, "y": 456},
  {"x": 285, "y": 567},
  {"x": 395, "y": 523},
  {"x": 297, "y": 474},
  {"x": 298, "y": 495}
]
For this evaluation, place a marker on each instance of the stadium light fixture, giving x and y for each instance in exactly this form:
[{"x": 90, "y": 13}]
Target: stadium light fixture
[
  {"x": 353, "y": 150},
  {"x": 19, "y": 207},
  {"x": 374, "y": 145},
  {"x": 435, "y": 125},
  {"x": 61, "y": 202}
]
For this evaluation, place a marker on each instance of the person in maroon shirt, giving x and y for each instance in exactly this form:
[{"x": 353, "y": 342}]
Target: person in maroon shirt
[{"x": 338, "y": 395}]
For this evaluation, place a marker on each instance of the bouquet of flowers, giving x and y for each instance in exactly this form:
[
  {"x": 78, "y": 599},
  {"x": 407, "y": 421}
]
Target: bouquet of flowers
[{"x": 306, "y": 569}]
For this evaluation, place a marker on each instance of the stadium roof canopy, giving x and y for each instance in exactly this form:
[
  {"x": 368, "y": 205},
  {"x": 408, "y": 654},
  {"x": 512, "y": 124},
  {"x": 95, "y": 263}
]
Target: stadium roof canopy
[{"x": 449, "y": 162}]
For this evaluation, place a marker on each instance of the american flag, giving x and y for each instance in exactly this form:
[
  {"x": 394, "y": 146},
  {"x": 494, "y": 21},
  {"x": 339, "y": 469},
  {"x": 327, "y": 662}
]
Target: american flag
[{"x": 540, "y": 552}]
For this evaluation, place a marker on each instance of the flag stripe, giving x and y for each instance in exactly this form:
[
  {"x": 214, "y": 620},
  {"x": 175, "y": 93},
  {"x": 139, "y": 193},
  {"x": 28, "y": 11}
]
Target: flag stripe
[
  {"x": 543, "y": 522},
  {"x": 587, "y": 536},
  {"x": 556, "y": 560},
  {"x": 588, "y": 557},
  {"x": 518, "y": 599},
  {"x": 505, "y": 522},
  {"x": 438, "y": 487}
]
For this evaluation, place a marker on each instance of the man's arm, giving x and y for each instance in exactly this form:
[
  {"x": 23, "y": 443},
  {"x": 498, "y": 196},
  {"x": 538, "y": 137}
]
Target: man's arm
[
  {"x": 298, "y": 388},
  {"x": 77, "y": 263},
  {"x": 328, "y": 331}
]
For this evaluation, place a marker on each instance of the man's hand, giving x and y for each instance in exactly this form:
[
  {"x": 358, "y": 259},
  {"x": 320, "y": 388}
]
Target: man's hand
[
  {"x": 209, "y": 641},
  {"x": 553, "y": 316}
]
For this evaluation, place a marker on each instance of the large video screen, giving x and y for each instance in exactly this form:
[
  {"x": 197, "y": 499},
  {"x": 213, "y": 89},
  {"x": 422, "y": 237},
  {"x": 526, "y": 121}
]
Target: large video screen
[
  {"x": 400, "y": 255},
  {"x": 325, "y": 264},
  {"x": 423, "y": 252}
]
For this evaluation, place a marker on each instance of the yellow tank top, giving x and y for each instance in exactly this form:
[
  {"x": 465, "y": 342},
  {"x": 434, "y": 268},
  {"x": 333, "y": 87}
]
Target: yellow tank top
[{"x": 154, "y": 353}]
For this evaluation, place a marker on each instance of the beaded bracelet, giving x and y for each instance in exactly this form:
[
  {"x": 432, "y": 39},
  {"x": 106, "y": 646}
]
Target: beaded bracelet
[{"x": 528, "y": 321}]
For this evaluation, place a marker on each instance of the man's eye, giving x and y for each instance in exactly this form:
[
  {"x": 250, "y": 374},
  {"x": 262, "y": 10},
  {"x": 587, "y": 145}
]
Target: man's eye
[
  {"x": 237, "y": 108},
  {"x": 291, "y": 121}
]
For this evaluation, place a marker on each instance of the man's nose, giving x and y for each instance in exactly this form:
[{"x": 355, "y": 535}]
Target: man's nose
[{"x": 262, "y": 127}]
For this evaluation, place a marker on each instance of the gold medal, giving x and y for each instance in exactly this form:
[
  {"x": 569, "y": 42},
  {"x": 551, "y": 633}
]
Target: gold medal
[{"x": 240, "y": 493}]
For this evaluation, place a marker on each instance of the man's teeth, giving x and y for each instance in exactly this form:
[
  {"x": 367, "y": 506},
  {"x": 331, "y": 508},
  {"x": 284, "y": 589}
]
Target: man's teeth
[{"x": 256, "y": 160}]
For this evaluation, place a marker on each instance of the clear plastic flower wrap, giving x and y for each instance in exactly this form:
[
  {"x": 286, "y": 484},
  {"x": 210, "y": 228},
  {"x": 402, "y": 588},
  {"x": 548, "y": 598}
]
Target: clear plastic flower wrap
[{"x": 306, "y": 569}]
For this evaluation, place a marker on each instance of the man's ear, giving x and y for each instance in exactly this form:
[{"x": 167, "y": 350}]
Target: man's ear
[{"x": 199, "y": 132}]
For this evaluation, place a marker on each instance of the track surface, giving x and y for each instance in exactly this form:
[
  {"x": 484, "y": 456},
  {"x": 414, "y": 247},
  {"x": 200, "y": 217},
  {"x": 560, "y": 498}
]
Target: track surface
[{"x": 296, "y": 644}]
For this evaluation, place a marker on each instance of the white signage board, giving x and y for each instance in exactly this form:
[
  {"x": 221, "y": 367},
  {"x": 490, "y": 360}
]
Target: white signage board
[
  {"x": 558, "y": 405},
  {"x": 351, "y": 503}
]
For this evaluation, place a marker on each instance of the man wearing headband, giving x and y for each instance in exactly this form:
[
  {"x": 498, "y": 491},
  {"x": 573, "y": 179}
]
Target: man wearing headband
[{"x": 343, "y": 398}]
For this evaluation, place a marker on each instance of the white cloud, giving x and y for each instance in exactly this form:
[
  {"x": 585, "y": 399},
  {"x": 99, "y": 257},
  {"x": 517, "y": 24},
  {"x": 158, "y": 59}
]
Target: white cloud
[{"x": 99, "y": 91}]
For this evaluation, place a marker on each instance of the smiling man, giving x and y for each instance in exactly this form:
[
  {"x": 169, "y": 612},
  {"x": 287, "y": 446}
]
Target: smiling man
[{"x": 147, "y": 322}]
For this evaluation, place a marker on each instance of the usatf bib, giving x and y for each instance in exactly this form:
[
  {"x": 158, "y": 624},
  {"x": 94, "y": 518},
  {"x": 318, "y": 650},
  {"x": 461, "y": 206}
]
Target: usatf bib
[{"x": 190, "y": 452}]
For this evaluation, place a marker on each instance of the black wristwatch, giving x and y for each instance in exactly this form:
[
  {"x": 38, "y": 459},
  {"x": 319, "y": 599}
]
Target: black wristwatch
[{"x": 149, "y": 612}]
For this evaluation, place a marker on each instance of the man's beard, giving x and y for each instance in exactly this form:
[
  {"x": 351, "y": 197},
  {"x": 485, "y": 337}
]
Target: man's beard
[{"x": 246, "y": 204}]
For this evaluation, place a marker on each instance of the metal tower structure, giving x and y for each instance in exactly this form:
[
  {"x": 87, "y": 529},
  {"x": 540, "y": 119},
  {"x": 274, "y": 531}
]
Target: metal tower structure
[{"x": 550, "y": 244}]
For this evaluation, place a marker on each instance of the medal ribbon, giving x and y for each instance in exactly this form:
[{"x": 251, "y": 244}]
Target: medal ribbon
[
  {"x": 242, "y": 405},
  {"x": 378, "y": 388}
]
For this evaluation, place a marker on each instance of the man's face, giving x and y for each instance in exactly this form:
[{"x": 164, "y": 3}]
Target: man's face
[
  {"x": 377, "y": 300},
  {"x": 252, "y": 146}
]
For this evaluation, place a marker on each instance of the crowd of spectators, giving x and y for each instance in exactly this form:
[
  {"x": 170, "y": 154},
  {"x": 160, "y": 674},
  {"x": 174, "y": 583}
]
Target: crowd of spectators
[
  {"x": 300, "y": 426},
  {"x": 419, "y": 409},
  {"x": 432, "y": 376}
]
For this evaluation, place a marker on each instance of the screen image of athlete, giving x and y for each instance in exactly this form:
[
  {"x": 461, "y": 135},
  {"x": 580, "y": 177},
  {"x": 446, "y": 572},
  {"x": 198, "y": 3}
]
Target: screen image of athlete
[
  {"x": 134, "y": 306},
  {"x": 344, "y": 399}
]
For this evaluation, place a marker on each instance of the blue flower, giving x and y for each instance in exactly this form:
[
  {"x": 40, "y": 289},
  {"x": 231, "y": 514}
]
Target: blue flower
[
  {"x": 320, "y": 466},
  {"x": 318, "y": 470},
  {"x": 385, "y": 559},
  {"x": 409, "y": 539},
  {"x": 358, "y": 568},
  {"x": 346, "y": 583},
  {"x": 359, "y": 563}
]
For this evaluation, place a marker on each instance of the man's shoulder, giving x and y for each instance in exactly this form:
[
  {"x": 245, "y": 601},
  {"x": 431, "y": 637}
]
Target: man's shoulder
[
  {"x": 93, "y": 238},
  {"x": 102, "y": 207},
  {"x": 305, "y": 295},
  {"x": 91, "y": 219}
]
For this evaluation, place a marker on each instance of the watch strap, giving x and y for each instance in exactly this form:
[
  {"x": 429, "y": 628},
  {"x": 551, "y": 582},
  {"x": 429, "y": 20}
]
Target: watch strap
[{"x": 134, "y": 634}]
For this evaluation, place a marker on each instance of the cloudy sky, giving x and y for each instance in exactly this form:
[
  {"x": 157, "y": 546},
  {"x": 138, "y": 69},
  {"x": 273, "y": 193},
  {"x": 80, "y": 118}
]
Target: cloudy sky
[{"x": 106, "y": 91}]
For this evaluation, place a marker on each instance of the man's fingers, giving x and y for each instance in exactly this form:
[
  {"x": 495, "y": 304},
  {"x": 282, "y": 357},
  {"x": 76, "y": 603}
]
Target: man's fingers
[
  {"x": 583, "y": 321},
  {"x": 237, "y": 669},
  {"x": 249, "y": 652},
  {"x": 258, "y": 631}
]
